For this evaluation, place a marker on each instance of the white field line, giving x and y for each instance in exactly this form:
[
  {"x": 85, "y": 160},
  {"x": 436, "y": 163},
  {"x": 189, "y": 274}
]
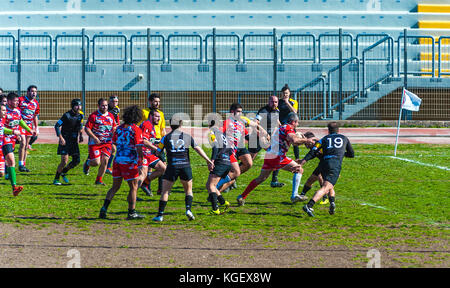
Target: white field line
[{"x": 421, "y": 163}]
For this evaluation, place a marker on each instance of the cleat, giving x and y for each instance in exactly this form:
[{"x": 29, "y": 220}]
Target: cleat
[
  {"x": 23, "y": 169},
  {"x": 190, "y": 215},
  {"x": 108, "y": 171},
  {"x": 102, "y": 213},
  {"x": 276, "y": 184},
  {"x": 147, "y": 190},
  {"x": 158, "y": 218},
  {"x": 295, "y": 199},
  {"x": 100, "y": 183},
  {"x": 308, "y": 211},
  {"x": 86, "y": 168},
  {"x": 64, "y": 177},
  {"x": 135, "y": 216},
  {"x": 240, "y": 200},
  {"x": 225, "y": 206},
  {"x": 17, "y": 190},
  {"x": 332, "y": 208},
  {"x": 324, "y": 201},
  {"x": 303, "y": 197},
  {"x": 234, "y": 185},
  {"x": 56, "y": 182},
  {"x": 214, "y": 212}
]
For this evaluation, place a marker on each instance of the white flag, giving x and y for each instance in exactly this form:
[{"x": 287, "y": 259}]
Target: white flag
[{"x": 410, "y": 101}]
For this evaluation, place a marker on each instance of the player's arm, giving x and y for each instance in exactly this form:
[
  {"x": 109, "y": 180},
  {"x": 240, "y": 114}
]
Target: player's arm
[
  {"x": 10, "y": 131},
  {"x": 313, "y": 152},
  {"x": 24, "y": 125},
  {"x": 296, "y": 140},
  {"x": 349, "y": 152},
  {"x": 91, "y": 134},
  {"x": 80, "y": 137},
  {"x": 58, "y": 125},
  {"x": 150, "y": 145},
  {"x": 202, "y": 154}
]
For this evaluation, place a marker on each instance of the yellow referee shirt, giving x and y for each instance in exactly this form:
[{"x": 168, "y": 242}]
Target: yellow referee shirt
[{"x": 160, "y": 128}]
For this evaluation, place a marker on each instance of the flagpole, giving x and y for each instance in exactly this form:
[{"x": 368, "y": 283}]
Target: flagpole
[{"x": 398, "y": 124}]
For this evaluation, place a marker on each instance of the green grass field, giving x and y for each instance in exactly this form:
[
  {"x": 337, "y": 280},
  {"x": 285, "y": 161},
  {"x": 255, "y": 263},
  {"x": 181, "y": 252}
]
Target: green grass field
[{"x": 381, "y": 202}]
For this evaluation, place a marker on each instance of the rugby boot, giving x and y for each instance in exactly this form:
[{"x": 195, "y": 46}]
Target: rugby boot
[
  {"x": 190, "y": 215},
  {"x": 64, "y": 177},
  {"x": 102, "y": 213},
  {"x": 23, "y": 169},
  {"x": 308, "y": 211},
  {"x": 295, "y": 199},
  {"x": 17, "y": 190},
  {"x": 56, "y": 182},
  {"x": 159, "y": 218},
  {"x": 240, "y": 200},
  {"x": 214, "y": 212},
  {"x": 332, "y": 208},
  {"x": 134, "y": 216},
  {"x": 147, "y": 190},
  {"x": 276, "y": 184}
]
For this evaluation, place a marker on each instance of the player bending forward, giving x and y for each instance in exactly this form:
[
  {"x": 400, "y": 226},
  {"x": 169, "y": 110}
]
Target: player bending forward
[
  {"x": 276, "y": 158},
  {"x": 335, "y": 146}
]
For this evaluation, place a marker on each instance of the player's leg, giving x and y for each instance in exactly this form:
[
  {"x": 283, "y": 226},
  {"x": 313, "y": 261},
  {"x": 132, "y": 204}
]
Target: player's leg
[
  {"x": 132, "y": 195},
  {"x": 2, "y": 164},
  {"x": 23, "y": 152},
  {"x": 8, "y": 151},
  {"x": 166, "y": 188},
  {"x": 246, "y": 162},
  {"x": 227, "y": 181},
  {"x": 59, "y": 169},
  {"x": 72, "y": 164},
  {"x": 297, "y": 171},
  {"x": 188, "y": 198},
  {"x": 111, "y": 159},
  {"x": 313, "y": 178},
  {"x": 105, "y": 154},
  {"x": 117, "y": 182},
  {"x": 264, "y": 174},
  {"x": 308, "y": 208}
]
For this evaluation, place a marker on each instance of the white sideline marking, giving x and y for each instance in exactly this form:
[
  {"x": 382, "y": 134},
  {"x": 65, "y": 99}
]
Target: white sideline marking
[{"x": 420, "y": 163}]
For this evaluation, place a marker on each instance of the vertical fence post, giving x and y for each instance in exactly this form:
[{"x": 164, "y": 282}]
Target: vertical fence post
[
  {"x": 214, "y": 71},
  {"x": 83, "y": 68},
  {"x": 275, "y": 56},
  {"x": 405, "y": 67},
  {"x": 149, "y": 91},
  {"x": 340, "y": 74},
  {"x": 19, "y": 64}
]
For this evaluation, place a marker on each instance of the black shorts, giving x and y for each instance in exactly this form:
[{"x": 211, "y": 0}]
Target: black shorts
[
  {"x": 221, "y": 170},
  {"x": 330, "y": 170},
  {"x": 6, "y": 149},
  {"x": 316, "y": 171},
  {"x": 71, "y": 148},
  {"x": 241, "y": 151},
  {"x": 172, "y": 173}
]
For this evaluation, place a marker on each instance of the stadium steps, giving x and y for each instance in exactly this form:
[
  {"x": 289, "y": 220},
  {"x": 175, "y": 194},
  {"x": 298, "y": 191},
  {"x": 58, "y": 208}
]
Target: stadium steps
[{"x": 374, "y": 94}]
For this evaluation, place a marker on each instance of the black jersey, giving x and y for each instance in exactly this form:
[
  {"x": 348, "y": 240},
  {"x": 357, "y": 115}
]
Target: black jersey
[
  {"x": 268, "y": 118},
  {"x": 284, "y": 110},
  {"x": 222, "y": 149},
  {"x": 115, "y": 111},
  {"x": 177, "y": 146},
  {"x": 69, "y": 126},
  {"x": 332, "y": 146}
]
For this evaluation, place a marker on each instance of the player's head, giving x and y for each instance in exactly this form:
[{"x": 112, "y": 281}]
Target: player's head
[
  {"x": 3, "y": 99},
  {"x": 102, "y": 105},
  {"x": 236, "y": 110},
  {"x": 213, "y": 119},
  {"x": 292, "y": 119},
  {"x": 309, "y": 135},
  {"x": 154, "y": 116},
  {"x": 132, "y": 115},
  {"x": 76, "y": 105},
  {"x": 333, "y": 127},
  {"x": 175, "y": 122},
  {"x": 285, "y": 91},
  {"x": 154, "y": 101},
  {"x": 273, "y": 102},
  {"x": 2, "y": 111},
  {"x": 32, "y": 91},
  {"x": 113, "y": 101},
  {"x": 12, "y": 100}
]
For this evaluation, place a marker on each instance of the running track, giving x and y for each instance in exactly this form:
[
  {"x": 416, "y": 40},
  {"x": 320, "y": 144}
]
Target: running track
[{"x": 356, "y": 135}]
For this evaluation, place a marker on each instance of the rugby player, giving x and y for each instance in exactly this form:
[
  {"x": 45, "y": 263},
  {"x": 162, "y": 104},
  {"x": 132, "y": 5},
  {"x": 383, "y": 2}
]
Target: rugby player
[
  {"x": 113, "y": 107},
  {"x": 69, "y": 132},
  {"x": 335, "y": 147},
  {"x": 177, "y": 144},
  {"x": 99, "y": 127},
  {"x": 150, "y": 156},
  {"x": 3, "y": 131},
  {"x": 128, "y": 141},
  {"x": 29, "y": 108},
  {"x": 276, "y": 158},
  {"x": 13, "y": 121}
]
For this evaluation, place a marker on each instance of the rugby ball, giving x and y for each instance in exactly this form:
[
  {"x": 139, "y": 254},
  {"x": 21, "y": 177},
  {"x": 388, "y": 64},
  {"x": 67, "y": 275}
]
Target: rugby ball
[{"x": 300, "y": 134}]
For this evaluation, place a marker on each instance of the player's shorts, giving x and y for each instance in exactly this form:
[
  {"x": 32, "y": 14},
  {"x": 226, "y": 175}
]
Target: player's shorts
[
  {"x": 25, "y": 132},
  {"x": 149, "y": 161},
  {"x": 172, "y": 173},
  {"x": 2, "y": 162},
  {"x": 330, "y": 170},
  {"x": 241, "y": 152},
  {"x": 256, "y": 149},
  {"x": 126, "y": 171},
  {"x": 275, "y": 163},
  {"x": 8, "y": 148},
  {"x": 96, "y": 150},
  {"x": 71, "y": 147},
  {"x": 221, "y": 170},
  {"x": 316, "y": 171}
]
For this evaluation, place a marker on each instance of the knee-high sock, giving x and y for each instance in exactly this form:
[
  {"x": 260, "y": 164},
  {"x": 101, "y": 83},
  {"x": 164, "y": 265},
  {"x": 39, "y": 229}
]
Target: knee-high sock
[
  {"x": 12, "y": 175},
  {"x": 249, "y": 188},
  {"x": 275, "y": 175},
  {"x": 296, "y": 183},
  {"x": 223, "y": 181}
]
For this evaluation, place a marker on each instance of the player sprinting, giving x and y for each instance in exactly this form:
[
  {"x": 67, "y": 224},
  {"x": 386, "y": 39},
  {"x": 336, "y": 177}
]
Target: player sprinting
[
  {"x": 177, "y": 144},
  {"x": 13, "y": 122},
  {"x": 29, "y": 109},
  {"x": 100, "y": 128},
  {"x": 276, "y": 158},
  {"x": 3, "y": 131},
  {"x": 335, "y": 147},
  {"x": 128, "y": 141},
  {"x": 69, "y": 132},
  {"x": 151, "y": 160}
]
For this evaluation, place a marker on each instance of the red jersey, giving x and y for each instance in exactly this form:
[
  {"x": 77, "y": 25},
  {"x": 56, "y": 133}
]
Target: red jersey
[
  {"x": 29, "y": 109},
  {"x": 2, "y": 131},
  {"x": 149, "y": 134},
  {"x": 279, "y": 145},
  {"x": 127, "y": 139},
  {"x": 12, "y": 120},
  {"x": 102, "y": 125},
  {"x": 235, "y": 131}
]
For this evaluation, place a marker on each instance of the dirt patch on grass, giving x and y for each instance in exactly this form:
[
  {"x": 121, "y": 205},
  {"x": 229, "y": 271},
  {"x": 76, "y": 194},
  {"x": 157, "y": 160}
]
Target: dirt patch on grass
[{"x": 106, "y": 245}]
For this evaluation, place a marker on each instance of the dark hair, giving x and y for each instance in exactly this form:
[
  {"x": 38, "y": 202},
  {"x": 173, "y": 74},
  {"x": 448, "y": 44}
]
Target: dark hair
[
  {"x": 101, "y": 100},
  {"x": 333, "y": 127},
  {"x": 112, "y": 97},
  {"x": 75, "y": 102},
  {"x": 152, "y": 111},
  {"x": 285, "y": 87},
  {"x": 2, "y": 96},
  {"x": 132, "y": 115},
  {"x": 31, "y": 87},
  {"x": 309, "y": 134},
  {"x": 11, "y": 96},
  {"x": 235, "y": 106},
  {"x": 153, "y": 96},
  {"x": 291, "y": 117}
]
